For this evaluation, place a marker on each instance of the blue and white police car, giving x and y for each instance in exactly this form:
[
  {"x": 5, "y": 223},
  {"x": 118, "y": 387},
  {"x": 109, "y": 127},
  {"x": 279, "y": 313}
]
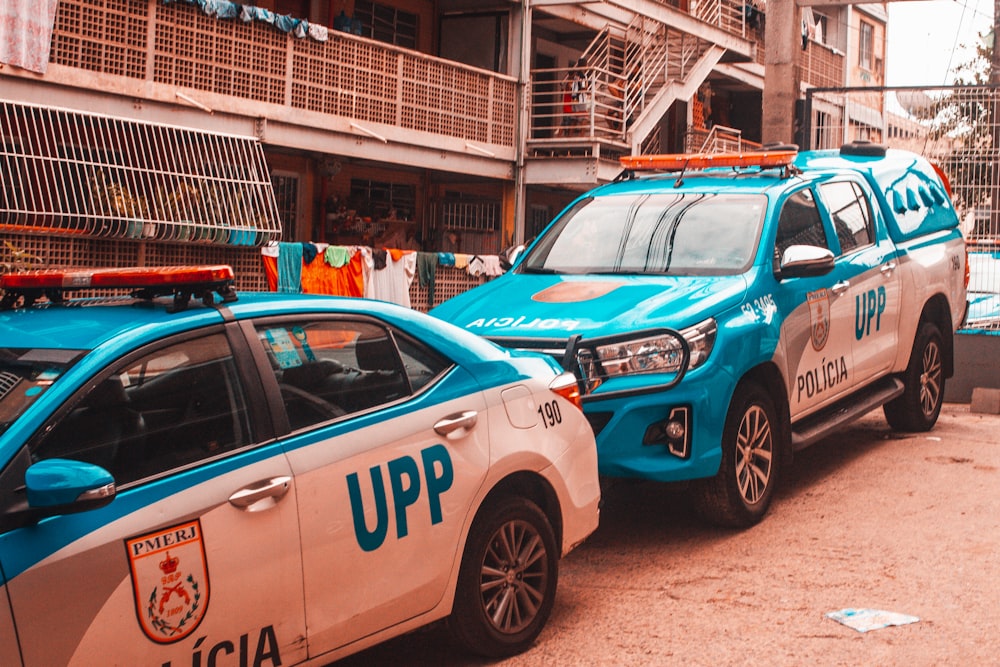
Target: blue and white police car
[
  {"x": 722, "y": 311},
  {"x": 188, "y": 477}
]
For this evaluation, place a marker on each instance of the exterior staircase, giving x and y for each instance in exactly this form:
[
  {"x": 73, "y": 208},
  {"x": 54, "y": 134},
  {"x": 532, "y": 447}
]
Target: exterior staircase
[{"x": 630, "y": 76}]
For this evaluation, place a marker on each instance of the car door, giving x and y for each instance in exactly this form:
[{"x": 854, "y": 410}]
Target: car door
[
  {"x": 816, "y": 331},
  {"x": 389, "y": 447},
  {"x": 196, "y": 560},
  {"x": 871, "y": 279}
]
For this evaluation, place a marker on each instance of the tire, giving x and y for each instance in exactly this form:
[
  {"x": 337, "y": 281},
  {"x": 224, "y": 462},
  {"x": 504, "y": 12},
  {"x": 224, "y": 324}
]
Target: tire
[
  {"x": 917, "y": 409},
  {"x": 507, "y": 584},
  {"x": 740, "y": 493}
]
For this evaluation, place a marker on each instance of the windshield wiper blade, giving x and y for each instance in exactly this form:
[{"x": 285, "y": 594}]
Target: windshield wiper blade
[{"x": 541, "y": 270}]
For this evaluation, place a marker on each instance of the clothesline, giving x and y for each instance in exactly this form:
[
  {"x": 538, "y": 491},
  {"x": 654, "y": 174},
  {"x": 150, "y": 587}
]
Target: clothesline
[{"x": 362, "y": 271}]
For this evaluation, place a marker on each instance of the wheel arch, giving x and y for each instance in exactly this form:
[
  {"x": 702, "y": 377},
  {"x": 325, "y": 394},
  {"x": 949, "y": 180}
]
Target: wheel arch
[
  {"x": 770, "y": 379},
  {"x": 535, "y": 488},
  {"x": 937, "y": 312}
]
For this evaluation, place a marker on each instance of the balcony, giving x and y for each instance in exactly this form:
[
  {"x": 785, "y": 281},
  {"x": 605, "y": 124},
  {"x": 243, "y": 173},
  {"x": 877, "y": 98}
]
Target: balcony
[{"x": 388, "y": 98}]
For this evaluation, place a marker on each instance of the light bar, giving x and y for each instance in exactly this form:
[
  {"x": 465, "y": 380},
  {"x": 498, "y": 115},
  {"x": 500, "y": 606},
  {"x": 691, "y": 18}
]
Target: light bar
[
  {"x": 685, "y": 161},
  {"x": 130, "y": 278},
  {"x": 183, "y": 282}
]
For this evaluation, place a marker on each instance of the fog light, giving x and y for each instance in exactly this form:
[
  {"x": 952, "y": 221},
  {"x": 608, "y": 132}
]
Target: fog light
[{"x": 674, "y": 432}]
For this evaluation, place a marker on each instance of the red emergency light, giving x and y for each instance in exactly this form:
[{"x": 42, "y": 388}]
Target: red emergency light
[
  {"x": 183, "y": 282},
  {"x": 688, "y": 161}
]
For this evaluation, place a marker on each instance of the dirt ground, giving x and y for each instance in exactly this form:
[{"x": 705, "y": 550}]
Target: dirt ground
[{"x": 868, "y": 519}]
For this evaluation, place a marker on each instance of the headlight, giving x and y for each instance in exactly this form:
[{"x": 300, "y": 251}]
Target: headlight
[
  {"x": 701, "y": 340},
  {"x": 652, "y": 354}
]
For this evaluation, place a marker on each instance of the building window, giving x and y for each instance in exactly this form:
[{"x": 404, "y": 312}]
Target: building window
[
  {"x": 286, "y": 193},
  {"x": 866, "y": 46},
  {"x": 387, "y": 24},
  {"x": 539, "y": 217},
  {"x": 383, "y": 201}
]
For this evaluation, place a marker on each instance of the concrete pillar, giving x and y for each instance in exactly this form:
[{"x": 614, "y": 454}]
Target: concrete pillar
[{"x": 783, "y": 40}]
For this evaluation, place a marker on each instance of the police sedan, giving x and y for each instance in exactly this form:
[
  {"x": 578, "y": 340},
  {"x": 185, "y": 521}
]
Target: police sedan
[{"x": 195, "y": 478}]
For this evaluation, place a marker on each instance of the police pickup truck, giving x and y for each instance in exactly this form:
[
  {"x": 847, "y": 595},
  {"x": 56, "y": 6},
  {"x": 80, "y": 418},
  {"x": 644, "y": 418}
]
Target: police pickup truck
[{"x": 723, "y": 311}]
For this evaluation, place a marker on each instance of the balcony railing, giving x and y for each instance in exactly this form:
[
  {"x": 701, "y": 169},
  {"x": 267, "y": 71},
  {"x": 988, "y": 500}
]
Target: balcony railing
[
  {"x": 179, "y": 46},
  {"x": 822, "y": 66}
]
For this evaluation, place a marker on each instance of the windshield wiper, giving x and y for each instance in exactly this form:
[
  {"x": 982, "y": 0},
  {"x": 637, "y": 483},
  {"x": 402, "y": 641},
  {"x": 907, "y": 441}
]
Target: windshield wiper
[{"x": 541, "y": 270}]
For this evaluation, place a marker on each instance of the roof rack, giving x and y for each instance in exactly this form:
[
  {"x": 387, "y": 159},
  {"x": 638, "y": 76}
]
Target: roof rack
[
  {"x": 684, "y": 161},
  {"x": 181, "y": 282}
]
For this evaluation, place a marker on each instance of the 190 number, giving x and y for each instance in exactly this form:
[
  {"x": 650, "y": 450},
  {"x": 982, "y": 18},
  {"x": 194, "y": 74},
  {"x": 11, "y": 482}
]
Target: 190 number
[{"x": 549, "y": 413}]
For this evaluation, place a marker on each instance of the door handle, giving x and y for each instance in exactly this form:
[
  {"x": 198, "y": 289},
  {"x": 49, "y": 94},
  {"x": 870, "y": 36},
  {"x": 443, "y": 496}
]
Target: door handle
[
  {"x": 841, "y": 287},
  {"x": 888, "y": 268},
  {"x": 455, "y": 422},
  {"x": 261, "y": 495}
]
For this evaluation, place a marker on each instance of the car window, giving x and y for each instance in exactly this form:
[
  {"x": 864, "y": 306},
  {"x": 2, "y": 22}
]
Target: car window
[
  {"x": 799, "y": 224},
  {"x": 850, "y": 213},
  {"x": 26, "y": 374},
  {"x": 328, "y": 369},
  {"x": 166, "y": 409},
  {"x": 674, "y": 233}
]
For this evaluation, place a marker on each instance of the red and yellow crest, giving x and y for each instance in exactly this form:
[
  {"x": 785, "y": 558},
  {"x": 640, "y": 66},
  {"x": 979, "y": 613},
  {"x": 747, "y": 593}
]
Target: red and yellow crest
[
  {"x": 169, "y": 581},
  {"x": 819, "y": 318}
]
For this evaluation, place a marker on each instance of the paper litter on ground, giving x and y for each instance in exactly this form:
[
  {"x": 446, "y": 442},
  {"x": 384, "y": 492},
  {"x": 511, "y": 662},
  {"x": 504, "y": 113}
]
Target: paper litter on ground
[{"x": 864, "y": 620}]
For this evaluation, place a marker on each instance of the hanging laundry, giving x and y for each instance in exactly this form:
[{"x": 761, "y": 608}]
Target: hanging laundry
[
  {"x": 290, "y": 267},
  {"x": 427, "y": 271},
  {"x": 309, "y": 253},
  {"x": 320, "y": 277},
  {"x": 337, "y": 255},
  {"x": 485, "y": 265},
  {"x": 392, "y": 282},
  {"x": 269, "y": 255}
]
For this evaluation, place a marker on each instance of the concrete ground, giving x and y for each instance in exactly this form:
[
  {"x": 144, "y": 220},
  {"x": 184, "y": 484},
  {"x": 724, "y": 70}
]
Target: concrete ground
[{"x": 868, "y": 519}]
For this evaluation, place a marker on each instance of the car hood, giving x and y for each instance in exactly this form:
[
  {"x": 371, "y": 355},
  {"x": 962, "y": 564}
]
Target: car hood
[{"x": 547, "y": 306}]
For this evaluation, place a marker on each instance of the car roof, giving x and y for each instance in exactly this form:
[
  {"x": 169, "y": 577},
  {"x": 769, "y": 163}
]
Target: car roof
[
  {"x": 808, "y": 166},
  {"x": 86, "y": 324}
]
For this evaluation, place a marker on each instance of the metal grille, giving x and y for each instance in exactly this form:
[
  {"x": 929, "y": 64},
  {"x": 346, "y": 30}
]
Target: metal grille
[
  {"x": 70, "y": 172},
  {"x": 955, "y": 127},
  {"x": 448, "y": 282},
  {"x": 107, "y": 36},
  {"x": 477, "y": 216}
]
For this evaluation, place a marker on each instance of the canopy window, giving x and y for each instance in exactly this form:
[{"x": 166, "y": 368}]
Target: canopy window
[{"x": 73, "y": 173}]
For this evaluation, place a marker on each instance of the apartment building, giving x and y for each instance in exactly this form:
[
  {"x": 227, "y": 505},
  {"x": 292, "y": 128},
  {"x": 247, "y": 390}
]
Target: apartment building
[{"x": 143, "y": 130}]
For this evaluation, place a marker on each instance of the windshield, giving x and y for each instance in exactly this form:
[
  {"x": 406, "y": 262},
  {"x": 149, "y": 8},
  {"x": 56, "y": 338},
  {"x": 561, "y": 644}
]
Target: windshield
[
  {"x": 25, "y": 374},
  {"x": 682, "y": 234}
]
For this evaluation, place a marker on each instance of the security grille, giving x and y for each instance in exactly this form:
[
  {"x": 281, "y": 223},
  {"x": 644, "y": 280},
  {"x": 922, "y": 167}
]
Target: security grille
[{"x": 74, "y": 173}]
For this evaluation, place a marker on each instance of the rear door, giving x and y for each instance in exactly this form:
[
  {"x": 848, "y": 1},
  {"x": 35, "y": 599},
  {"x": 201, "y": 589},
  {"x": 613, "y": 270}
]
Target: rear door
[
  {"x": 870, "y": 278},
  {"x": 196, "y": 560},
  {"x": 386, "y": 469}
]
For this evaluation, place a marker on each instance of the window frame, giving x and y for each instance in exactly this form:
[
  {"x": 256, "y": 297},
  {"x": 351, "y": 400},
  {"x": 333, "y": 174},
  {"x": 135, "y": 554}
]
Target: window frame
[
  {"x": 866, "y": 45},
  {"x": 272, "y": 389},
  {"x": 259, "y": 426},
  {"x": 860, "y": 198}
]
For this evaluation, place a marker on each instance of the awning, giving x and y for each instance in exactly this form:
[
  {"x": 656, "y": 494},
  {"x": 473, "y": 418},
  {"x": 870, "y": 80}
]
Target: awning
[{"x": 75, "y": 173}]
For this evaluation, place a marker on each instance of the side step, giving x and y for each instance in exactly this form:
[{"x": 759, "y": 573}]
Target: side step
[{"x": 817, "y": 426}]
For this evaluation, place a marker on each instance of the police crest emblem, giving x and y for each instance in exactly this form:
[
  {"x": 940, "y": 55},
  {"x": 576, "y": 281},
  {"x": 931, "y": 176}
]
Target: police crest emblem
[
  {"x": 819, "y": 317},
  {"x": 169, "y": 581}
]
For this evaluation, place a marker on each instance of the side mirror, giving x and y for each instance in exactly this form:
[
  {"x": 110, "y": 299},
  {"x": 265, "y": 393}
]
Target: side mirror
[
  {"x": 508, "y": 257},
  {"x": 805, "y": 261},
  {"x": 58, "y": 486},
  {"x": 69, "y": 486}
]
